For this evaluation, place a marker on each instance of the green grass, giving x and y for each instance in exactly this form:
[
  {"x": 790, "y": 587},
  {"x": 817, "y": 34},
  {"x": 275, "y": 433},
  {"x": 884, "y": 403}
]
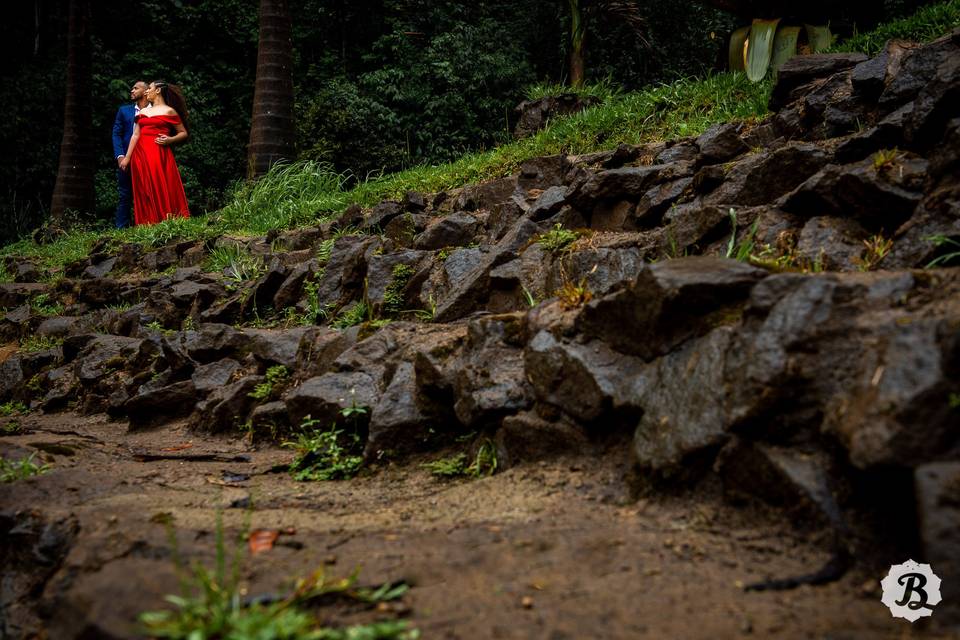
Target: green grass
[
  {"x": 602, "y": 91},
  {"x": 11, "y": 471},
  {"x": 276, "y": 379},
  {"x": 322, "y": 454},
  {"x": 929, "y": 23},
  {"x": 447, "y": 467},
  {"x": 33, "y": 343},
  {"x": 558, "y": 239}
]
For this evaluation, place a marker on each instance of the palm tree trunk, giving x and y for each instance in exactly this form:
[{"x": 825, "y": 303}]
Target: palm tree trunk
[
  {"x": 74, "y": 187},
  {"x": 272, "y": 130},
  {"x": 578, "y": 36}
]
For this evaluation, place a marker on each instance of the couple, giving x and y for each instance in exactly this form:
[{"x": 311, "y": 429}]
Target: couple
[{"x": 143, "y": 133}]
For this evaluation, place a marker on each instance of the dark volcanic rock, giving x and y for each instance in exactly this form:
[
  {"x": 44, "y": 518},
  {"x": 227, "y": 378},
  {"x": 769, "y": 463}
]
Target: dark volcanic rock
[
  {"x": 763, "y": 177},
  {"x": 227, "y": 408},
  {"x": 325, "y": 397},
  {"x": 833, "y": 243},
  {"x": 153, "y": 408},
  {"x": 721, "y": 142},
  {"x": 454, "y": 230},
  {"x": 938, "y": 504},
  {"x": 526, "y": 437},
  {"x": 801, "y": 70},
  {"x": 212, "y": 376}
]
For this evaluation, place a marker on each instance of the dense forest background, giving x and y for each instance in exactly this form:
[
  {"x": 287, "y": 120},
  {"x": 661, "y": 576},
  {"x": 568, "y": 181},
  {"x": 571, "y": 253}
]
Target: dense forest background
[{"x": 380, "y": 84}]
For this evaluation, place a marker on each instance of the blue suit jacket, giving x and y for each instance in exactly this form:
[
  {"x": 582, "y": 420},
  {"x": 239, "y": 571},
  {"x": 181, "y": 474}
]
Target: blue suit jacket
[{"x": 123, "y": 129}]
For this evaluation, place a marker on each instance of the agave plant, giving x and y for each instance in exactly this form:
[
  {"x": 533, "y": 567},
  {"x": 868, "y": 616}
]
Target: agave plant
[{"x": 767, "y": 44}]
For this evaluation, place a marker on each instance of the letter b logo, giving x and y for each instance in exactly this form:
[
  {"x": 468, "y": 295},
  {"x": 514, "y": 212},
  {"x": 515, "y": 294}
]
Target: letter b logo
[{"x": 911, "y": 590}]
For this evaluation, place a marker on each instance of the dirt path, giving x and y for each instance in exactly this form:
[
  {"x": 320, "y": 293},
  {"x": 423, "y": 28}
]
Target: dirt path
[{"x": 551, "y": 550}]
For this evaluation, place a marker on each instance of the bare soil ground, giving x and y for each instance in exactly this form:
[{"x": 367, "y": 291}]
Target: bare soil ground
[{"x": 556, "y": 549}]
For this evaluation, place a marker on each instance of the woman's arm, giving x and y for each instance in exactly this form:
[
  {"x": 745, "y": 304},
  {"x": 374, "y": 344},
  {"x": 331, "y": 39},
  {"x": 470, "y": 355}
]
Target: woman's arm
[
  {"x": 178, "y": 138},
  {"x": 133, "y": 143}
]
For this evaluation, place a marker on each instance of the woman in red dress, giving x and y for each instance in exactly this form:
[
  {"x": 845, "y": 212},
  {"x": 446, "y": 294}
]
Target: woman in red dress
[{"x": 157, "y": 188}]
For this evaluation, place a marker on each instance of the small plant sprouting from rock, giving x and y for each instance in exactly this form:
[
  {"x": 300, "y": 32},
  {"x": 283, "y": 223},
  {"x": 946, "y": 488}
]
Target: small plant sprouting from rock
[
  {"x": 574, "y": 294},
  {"x": 742, "y": 250},
  {"x": 352, "y": 315},
  {"x": 325, "y": 250},
  {"x": 945, "y": 258},
  {"x": 953, "y": 401},
  {"x": 11, "y": 471},
  {"x": 557, "y": 239},
  {"x": 528, "y": 298},
  {"x": 885, "y": 158},
  {"x": 325, "y": 454},
  {"x": 877, "y": 247},
  {"x": 393, "y": 299},
  {"x": 276, "y": 378},
  {"x": 486, "y": 461},
  {"x": 236, "y": 263}
]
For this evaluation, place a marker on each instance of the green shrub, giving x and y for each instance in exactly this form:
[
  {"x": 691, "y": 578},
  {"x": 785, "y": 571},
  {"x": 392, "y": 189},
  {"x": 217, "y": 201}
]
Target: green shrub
[
  {"x": 325, "y": 454},
  {"x": 21, "y": 469}
]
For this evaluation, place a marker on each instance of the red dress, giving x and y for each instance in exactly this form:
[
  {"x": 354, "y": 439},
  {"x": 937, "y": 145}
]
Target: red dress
[{"x": 157, "y": 189}]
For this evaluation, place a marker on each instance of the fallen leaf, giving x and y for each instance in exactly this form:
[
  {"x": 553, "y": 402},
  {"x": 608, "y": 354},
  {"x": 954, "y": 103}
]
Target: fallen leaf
[{"x": 262, "y": 540}]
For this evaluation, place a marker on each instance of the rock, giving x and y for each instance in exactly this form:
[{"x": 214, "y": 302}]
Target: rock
[
  {"x": 414, "y": 201},
  {"x": 913, "y": 247},
  {"x": 887, "y": 134},
  {"x": 504, "y": 216},
  {"x": 325, "y": 397},
  {"x": 880, "y": 198},
  {"x": 833, "y": 243},
  {"x": 292, "y": 288},
  {"x": 549, "y": 203},
  {"x": 721, "y": 142},
  {"x": 212, "y": 376},
  {"x": 269, "y": 419},
  {"x": 403, "y": 229},
  {"x": 101, "y": 355},
  {"x": 938, "y": 505},
  {"x": 302, "y": 238},
  {"x": 667, "y": 304},
  {"x": 263, "y": 290},
  {"x": 801, "y": 482},
  {"x": 213, "y": 342},
  {"x": 455, "y": 230},
  {"x": 344, "y": 272},
  {"x": 98, "y": 292},
  {"x": 526, "y": 437},
  {"x": 398, "y": 422},
  {"x": 61, "y": 386},
  {"x": 534, "y": 114},
  {"x": 277, "y": 346},
  {"x": 917, "y": 66},
  {"x": 485, "y": 195},
  {"x": 801, "y": 70},
  {"x": 15, "y": 294},
  {"x": 490, "y": 382},
  {"x": 470, "y": 292},
  {"x": 586, "y": 381},
  {"x": 651, "y": 207},
  {"x": 763, "y": 177},
  {"x": 543, "y": 172},
  {"x": 154, "y": 408},
  {"x": 613, "y": 215},
  {"x": 384, "y": 280},
  {"x": 101, "y": 269},
  {"x": 625, "y": 183},
  {"x": 680, "y": 152},
  {"x": 692, "y": 227},
  {"x": 602, "y": 269},
  {"x": 684, "y": 422},
  {"x": 226, "y": 408},
  {"x": 934, "y": 106},
  {"x": 381, "y": 214}
]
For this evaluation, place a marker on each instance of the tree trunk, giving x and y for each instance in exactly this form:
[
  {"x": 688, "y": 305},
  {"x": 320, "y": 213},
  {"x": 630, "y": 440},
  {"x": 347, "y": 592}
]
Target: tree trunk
[
  {"x": 74, "y": 187},
  {"x": 272, "y": 130},
  {"x": 578, "y": 36}
]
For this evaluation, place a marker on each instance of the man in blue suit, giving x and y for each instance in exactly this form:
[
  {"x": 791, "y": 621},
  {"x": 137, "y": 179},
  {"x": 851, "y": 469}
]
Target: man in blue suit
[{"x": 122, "y": 130}]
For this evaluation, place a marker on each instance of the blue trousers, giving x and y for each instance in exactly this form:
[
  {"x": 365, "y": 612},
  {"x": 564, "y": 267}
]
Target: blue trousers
[{"x": 123, "y": 217}]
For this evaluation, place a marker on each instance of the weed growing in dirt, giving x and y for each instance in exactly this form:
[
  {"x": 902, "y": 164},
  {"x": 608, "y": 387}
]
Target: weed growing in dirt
[
  {"x": 352, "y": 315},
  {"x": 277, "y": 377},
  {"x": 557, "y": 239},
  {"x": 325, "y": 454},
  {"x": 448, "y": 467},
  {"x": 945, "y": 258},
  {"x": 885, "y": 158},
  {"x": 11, "y": 471},
  {"x": 210, "y": 605},
  {"x": 236, "y": 263}
]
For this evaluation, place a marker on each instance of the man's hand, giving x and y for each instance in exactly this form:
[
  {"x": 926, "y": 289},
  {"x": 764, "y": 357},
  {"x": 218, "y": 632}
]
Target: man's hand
[{"x": 120, "y": 161}]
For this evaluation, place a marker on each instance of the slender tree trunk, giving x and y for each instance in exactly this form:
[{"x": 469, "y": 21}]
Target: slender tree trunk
[
  {"x": 74, "y": 187},
  {"x": 578, "y": 36},
  {"x": 272, "y": 130}
]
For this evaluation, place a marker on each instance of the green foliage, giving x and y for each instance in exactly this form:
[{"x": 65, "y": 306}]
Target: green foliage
[
  {"x": 486, "y": 461},
  {"x": 948, "y": 256},
  {"x": 21, "y": 469},
  {"x": 557, "y": 239},
  {"x": 448, "y": 467},
  {"x": 34, "y": 343},
  {"x": 325, "y": 454},
  {"x": 5, "y": 275},
  {"x": 45, "y": 305},
  {"x": 741, "y": 250},
  {"x": 393, "y": 300},
  {"x": 325, "y": 250},
  {"x": 276, "y": 378},
  {"x": 352, "y": 315},
  {"x": 12, "y": 408},
  {"x": 929, "y": 23},
  {"x": 601, "y": 91},
  {"x": 236, "y": 262}
]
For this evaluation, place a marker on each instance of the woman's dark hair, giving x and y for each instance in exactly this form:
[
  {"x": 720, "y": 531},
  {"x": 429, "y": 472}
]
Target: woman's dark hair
[{"x": 173, "y": 96}]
